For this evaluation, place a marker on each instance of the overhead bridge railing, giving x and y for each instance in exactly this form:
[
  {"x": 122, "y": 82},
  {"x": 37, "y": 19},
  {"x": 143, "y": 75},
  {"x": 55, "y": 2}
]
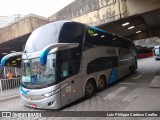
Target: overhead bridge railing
[{"x": 9, "y": 88}]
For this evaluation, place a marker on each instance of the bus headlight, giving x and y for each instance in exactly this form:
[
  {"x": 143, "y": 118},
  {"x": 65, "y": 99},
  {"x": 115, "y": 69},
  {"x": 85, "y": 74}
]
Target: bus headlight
[
  {"x": 48, "y": 94},
  {"x": 51, "y": 93}
]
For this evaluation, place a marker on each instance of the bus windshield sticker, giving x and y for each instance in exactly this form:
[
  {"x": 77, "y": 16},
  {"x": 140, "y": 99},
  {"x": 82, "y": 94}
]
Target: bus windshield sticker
[
  {"x": 91, "y": 32},
  {"x": 26, "y": 79}
]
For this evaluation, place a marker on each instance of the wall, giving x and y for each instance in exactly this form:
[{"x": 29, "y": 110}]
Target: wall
[
  {"x": 148, "y": 42},
  {"x": 20, "y": 28},
  {"x": 97, "y": 12},
  {"x": 141, "y": 6}
]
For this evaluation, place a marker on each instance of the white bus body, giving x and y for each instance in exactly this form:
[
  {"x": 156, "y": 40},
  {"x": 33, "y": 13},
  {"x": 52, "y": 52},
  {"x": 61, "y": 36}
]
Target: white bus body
[{"x": 59, "y": 69}]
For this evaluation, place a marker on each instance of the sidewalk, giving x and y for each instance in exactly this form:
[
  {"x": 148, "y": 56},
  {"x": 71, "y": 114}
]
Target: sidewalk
[{"x": 149, "y": 99}]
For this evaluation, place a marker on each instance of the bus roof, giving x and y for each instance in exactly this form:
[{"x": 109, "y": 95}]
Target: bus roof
[
  {"x": 49, "y": 34},
  {"x": 44, "y": 36}
]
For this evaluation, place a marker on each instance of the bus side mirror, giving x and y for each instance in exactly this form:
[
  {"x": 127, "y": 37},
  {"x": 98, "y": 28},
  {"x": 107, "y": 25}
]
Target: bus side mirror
[
  {"x": 47, "y": 49},
  {"x": 5, "y": 58}
]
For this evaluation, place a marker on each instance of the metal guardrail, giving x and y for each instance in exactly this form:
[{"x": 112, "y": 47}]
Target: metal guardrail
[{"x": 9, "y": 87}]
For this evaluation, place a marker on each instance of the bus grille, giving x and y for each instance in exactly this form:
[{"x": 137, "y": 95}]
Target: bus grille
[{"x": 34, "y": 97}]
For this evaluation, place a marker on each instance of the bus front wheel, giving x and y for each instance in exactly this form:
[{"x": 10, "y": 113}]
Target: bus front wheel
[{"x": 89, "y": 89}]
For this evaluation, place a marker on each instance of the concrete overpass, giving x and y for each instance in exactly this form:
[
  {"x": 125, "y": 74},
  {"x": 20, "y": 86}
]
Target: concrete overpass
[
  {"x": 106, "y": 14},
  {"x": 13, "y": 36},
  {"x": 109, "y": 15}
]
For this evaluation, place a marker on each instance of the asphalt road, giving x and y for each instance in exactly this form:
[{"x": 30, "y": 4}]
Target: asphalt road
[
  {"x": 149, "y": 66},
  {"x": 132, "y": 93}
]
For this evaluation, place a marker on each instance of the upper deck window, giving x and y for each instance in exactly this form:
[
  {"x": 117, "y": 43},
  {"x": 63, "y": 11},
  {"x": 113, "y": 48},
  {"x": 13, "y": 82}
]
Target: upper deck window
[{"x": 72, "y": 33}]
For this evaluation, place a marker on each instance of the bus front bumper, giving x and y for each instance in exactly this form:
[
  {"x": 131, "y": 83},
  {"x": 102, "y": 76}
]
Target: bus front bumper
[{"x": 52, "y": 102}]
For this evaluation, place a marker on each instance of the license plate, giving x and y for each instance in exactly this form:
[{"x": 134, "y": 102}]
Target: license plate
[{"x": 33, "y": 105}]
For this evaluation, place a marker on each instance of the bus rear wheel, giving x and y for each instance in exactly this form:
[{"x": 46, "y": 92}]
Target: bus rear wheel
[
  {"x": 102, "y": 83},
  {"x": 89, "y": 89}
]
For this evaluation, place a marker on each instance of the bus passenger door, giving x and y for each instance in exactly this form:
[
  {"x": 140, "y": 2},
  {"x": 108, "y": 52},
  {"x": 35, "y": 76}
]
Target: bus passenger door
[
  {"x": 71, "y": 90},
  {"x": 67, "y": 95},
  {"x": 69, "y": 65},
  {"x": 70, "y": 85}
]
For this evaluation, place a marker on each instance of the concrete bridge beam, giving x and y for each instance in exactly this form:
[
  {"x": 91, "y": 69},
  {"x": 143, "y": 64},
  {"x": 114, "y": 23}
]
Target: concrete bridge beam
[{"x": 21, "y": 27}]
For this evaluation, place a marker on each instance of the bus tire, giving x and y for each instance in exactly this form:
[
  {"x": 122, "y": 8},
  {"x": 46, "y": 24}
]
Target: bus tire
[
  {"x": 102, "y": 83},
  {"x": 89, "y": 89}
]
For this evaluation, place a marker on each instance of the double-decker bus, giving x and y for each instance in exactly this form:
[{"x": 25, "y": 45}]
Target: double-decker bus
[{"x": 64, "y": 61}]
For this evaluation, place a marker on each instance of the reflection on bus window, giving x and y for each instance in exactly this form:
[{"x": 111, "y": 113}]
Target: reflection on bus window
[
  {"x": 64, "y": 69},
  {"x": 34, "y": 73}
]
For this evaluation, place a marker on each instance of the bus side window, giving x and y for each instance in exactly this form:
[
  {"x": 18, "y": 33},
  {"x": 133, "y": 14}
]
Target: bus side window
[
  {"x": 69, "y": 63},
  {"x": 64, "y": 70}
]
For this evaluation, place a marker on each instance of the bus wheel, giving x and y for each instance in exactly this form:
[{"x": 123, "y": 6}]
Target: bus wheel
[
  {"x": 102, "y": 83},
  {"x": 89, "y": 89}
]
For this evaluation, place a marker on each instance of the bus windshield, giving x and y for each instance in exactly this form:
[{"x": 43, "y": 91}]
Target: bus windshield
[{"x": 35, "y": 74}]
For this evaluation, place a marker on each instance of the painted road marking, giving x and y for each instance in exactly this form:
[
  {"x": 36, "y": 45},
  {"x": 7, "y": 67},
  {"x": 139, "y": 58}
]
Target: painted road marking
[
  {"x": 133, "y": 95},
  {"x": 127, "y": 83},
  {"x": 114, "y": 93},
  {"x": 137, "y": 77},
  {"x": 123, "y": 83}
]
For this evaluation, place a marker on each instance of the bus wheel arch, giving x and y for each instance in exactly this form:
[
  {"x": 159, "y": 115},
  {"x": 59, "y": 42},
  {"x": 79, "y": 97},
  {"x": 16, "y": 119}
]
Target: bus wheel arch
[
  {"x": 90, "y": 88},
  {"x": 102, "y": 82}
]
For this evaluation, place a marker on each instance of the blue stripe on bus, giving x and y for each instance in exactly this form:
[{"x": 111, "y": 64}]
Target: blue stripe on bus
[
  {"x": 3, "y": 61},
  {"x": 100, "y": 30},
  {"x": 22, "y": 91},
  {"x": 113, "y": 75},
  {"x": 43, "y": 56},
  {"x": 97, "y": 29}
]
